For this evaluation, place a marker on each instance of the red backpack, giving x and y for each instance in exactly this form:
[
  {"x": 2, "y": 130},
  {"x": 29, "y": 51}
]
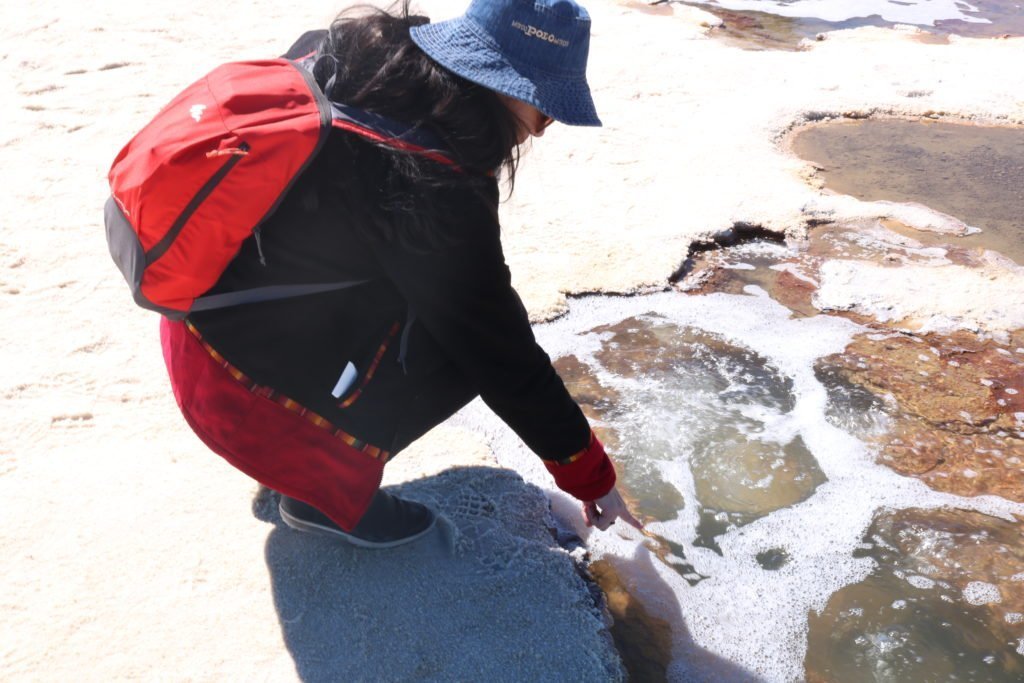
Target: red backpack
[{"x": 212, "y": 166}]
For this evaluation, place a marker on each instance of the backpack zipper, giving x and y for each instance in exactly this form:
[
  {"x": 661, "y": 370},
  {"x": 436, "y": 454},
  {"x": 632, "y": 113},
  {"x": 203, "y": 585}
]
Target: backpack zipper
[
  {"x": 161, "y": 247},
  {"x": 259, "y": 245}
]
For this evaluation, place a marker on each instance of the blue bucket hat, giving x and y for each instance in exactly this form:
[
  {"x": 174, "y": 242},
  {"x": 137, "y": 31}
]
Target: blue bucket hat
[{"x": 531, "y": 50}]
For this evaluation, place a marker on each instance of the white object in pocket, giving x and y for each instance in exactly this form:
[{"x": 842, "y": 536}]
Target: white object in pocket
[{"x": 345, "y": 382}]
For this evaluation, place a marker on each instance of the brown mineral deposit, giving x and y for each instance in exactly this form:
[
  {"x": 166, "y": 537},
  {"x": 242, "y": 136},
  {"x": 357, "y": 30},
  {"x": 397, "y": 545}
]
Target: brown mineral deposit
[
  {"x": 643, "y": 640},
  {"x": 594, "y": 398},
  {"x": 958, "y": 399},
  {"x": 947, "y": 587},
  {"x": 794, "y": 293}
]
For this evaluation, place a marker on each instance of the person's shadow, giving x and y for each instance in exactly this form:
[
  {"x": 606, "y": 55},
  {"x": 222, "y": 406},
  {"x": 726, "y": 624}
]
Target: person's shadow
[{"x": 487, "y": 596}]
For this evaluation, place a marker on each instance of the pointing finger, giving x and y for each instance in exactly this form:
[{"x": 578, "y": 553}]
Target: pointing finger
[
  {"x": 589, "y": 512},
  {"x": 604, "y": 521},
  {"x": 631, "y": 520}
]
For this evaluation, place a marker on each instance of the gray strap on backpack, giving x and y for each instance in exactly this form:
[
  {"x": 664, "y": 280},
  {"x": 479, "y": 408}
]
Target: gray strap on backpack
[
  {"x": 271, "y": 293},
  {"x": 403, "y": 344}
]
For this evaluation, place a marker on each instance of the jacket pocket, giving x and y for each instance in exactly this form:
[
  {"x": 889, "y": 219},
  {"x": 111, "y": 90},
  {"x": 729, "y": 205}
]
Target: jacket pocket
[{"x": 347, "y": 396}]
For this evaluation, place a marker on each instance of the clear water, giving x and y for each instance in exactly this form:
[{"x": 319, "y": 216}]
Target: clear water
[
  {"x": 741, "y": 469},
  {"x": 922, "y": 615},
  {"x": 974, "y": 173},
  {"x": 778, "y": 549},
  {"x": 979, "y": 17},
  {"x": 759, "y": 493},
  {"x": 922, "y": 12}
]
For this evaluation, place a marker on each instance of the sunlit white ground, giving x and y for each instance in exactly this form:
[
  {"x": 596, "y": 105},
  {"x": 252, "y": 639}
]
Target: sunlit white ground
[{"x": 117, "y": 521}]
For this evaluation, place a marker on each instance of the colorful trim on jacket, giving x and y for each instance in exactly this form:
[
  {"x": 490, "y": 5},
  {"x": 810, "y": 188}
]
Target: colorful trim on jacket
[
  {"x": 289, "y": 404},
  {"x": 577, "y": 455},
  {"x": 373, "y": 366}
]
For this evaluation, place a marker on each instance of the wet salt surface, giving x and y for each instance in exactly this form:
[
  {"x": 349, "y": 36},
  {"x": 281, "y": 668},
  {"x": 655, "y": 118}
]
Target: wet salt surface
[
  {"x": 765, "y": 442},
  {"x": 737, "y": 594},
  {"x": 936, "y": 406},
  {"x": 783, "y": 23},
  {"x": 973, "y": 173},
  {"x": 740, "y": 472}
]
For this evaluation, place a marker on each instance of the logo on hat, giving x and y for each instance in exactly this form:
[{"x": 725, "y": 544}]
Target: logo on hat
[
  {"x": 484, "y": 46},
  {"x": 534, "y": 32}
]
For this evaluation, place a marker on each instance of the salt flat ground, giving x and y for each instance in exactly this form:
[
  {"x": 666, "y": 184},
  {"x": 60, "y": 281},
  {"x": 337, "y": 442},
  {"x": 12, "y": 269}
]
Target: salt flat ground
[{"x": 131, "y": 552}]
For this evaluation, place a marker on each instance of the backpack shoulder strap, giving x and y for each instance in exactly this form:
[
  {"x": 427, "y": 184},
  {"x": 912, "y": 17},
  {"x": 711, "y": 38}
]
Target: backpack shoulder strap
[
  {"x": 375, "y": 127},
  {"x": 390, "y": 133},
  {"x": 380, "y": 129},
  {"x": 271, "y": 293}
]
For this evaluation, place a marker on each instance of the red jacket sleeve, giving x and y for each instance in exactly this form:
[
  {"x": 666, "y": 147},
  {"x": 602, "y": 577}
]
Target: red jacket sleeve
[{"x": 586, "y": 475}]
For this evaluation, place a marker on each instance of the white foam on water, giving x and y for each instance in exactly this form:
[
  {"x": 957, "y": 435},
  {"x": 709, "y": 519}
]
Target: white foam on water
[
  {"x": 982, "y": 593},
  {"x": 922, "y": 582},
  {"x": 741, "y": 615},
  {"x": 763, "y": 249},
  {"x": 919, "y": 12}
]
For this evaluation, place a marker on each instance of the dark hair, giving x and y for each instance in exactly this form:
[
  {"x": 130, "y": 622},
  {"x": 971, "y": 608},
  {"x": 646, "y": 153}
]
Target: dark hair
[{"x": 377, "y": 67}]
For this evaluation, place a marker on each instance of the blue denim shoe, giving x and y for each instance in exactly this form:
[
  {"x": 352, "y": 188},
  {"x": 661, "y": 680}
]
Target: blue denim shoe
[{"x": 389, "y": 521}]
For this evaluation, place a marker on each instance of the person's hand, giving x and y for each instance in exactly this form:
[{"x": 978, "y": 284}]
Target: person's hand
[{"x": 603, "y": 512}]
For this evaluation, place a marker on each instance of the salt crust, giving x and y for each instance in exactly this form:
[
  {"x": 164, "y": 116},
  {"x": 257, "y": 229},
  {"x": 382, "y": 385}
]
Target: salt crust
[
  {"x": 987, "y": 299},
  {"x": 147, "y": 535}
]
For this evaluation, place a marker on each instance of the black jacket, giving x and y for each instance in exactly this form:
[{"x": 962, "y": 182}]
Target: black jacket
[{"x": 470, "y": 324}]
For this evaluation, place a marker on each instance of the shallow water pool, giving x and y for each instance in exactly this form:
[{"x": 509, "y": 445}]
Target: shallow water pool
[
  {"x": 766, "y": 505},
  {"x": 979, "y": 18}
]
